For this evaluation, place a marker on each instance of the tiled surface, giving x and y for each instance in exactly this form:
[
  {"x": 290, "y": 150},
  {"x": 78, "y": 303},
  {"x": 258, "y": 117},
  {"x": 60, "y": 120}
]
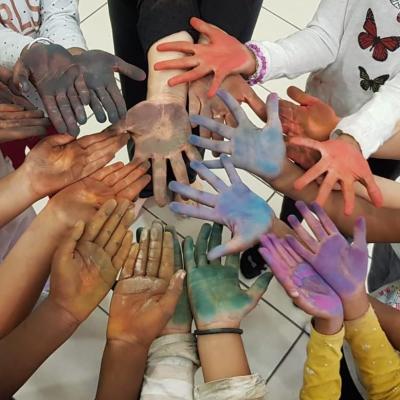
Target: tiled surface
[{"x": 274, "y": 337}]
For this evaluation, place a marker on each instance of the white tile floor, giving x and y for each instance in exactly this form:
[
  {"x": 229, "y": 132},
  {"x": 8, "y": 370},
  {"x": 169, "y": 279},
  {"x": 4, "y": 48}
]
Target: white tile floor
[{"x": 275, "y": 334}]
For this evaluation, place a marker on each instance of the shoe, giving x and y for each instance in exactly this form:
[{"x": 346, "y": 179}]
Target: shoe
[{"x": 251, "y": 263}]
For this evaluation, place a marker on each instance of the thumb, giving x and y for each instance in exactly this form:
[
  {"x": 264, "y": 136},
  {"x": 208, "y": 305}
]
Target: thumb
[
  {"x": 68, "y": 245},
  {"x": 21, "y": 77},
  {"x": 171, "y": 297},
  {"x": 60, "y": 139},
  {"x": 359, "y": 234},
  {"x": 300, "y": 96},
  {"x": 258, "y": 106},
  {"x": 273, "y": 111},
  {"x": 259, "y": 287}
]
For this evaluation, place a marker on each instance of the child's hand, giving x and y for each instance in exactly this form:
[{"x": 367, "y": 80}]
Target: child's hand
[
  {"x": 59, "y": 81},
  {"x": 59, "y": 160},
  {"x": 302, "y": 283},
  {"x": 247, "y": 215},
  {"x": 215, "y": 295},
  {"x": 82, "y": 199},
  {"x": 342, "y": 265},
  {"x": 98, "y": 69},
  {"x": 86, "y": 264},
  {"x": 160, "y": 129},
  {"x": 148, "y": 291},
  {"x": 342, "y": 162},
  {"x": 223, "y": 55},
  {"x": 260, "y": 151},
  {"x": 310, "y": 118}
]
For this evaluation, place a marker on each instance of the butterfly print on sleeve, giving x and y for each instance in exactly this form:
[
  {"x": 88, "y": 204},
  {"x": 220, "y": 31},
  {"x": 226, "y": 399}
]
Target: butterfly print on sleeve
[
  {"x": 370, "y": 39},
  {"x": 371, "y": 84}
]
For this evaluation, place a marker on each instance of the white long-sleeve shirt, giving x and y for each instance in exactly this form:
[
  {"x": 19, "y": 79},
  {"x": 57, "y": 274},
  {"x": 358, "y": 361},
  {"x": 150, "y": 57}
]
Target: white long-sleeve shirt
[
  {"x": 329, "y": 48},
  {"x": 24, "y": 20}
]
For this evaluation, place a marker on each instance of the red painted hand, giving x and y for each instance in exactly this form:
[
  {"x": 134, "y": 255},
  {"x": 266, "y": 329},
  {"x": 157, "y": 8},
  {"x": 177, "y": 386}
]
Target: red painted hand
[
  {"x": 223, "y": 55},
  {"x": 342, "y": 162}
]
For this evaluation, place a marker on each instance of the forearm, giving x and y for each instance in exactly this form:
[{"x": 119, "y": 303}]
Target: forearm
[
  {"x": 15, "y": 195},
  {"x": 157, "y": 86},
  {"x": 12, "y": 45},
  {"x": 31, "y": 343},
  {"x": 26, "y": 268},
  {"x": 390, "y": 150},
  {"x": 222, "y": 356},
  {"x": 122, "y": 370}
]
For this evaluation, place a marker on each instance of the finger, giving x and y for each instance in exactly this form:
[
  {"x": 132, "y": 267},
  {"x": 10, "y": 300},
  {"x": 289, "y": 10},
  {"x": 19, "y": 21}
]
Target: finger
[
  {"x": 132, "y": 177},
  {"x": 259, "y": 287},
  {"x": 213, "y": 164},
  {"x": 204, "y": 173},
  {"x": 216, "y": 136},
  {"x": 97, "y": 108},
  {"x": 155, "y": 249},
  {"x": 194, "y": 106},
  {"x": 281, "y": 251},
  {"x": 179, "y": 168},
  {"x": 117, "y": 237},
  {"x": 359, "y": 234},
  {"x": 132, "y": 192},
  {"x": 301, "y": 97},
  {"x": 103, "y": 173},
  {"x": 10, "y": 109},
  {"x": 179, "y": 46},
  {"x": 21, "y": 133},
  {"x": 311, "y": 175},
  {"x": 314, "y": 224},
  {"x": 326, "y": 222},
  {"x": 219, "y": 77},
  {"x": 111, "y": 224},
  {"x": 95, "y": 225},
  {"x": 233, "y": 106},
  {"x": 82, "y": 89},
  {"x": 160, "y": 181},
  {"x": 326, "y": 187},
  {"x": 192, "y": 153},
  {"x": 177, "y": 247},
  {"x": 122, "y": 251},
  {"x": 202, "y": 245},
  {"x": 171, "y": 297},
  {"x": 107, "y": 104},
  {"x": 374, "y": 192},
  {"x": 306, "y": 142},
  {"x": 167, "y": 264},
  {"x": 299, "y": 249},
  {"x": 230, "y": 170},
  {"x": 349, "y": 196},
  {"x": 302, "y": 233},
  {"x": 94, "y": 138},
  {"x": 129, "y": 265},
  {"x": 67, "y": 114},
  {"x": 273, "y": 111},
  {"x": 235, "y": 245},
  {"x": 77, "y": 106},
  {"x": 14, "y": 123},
  {"x": 213, "y": 145},
  {"x": 141, "y": 259},
  {"x": 257, "y": 105},
  {"x": 188, "y": 192},
  {"x": 20, "y": 77},
  {"x": 215, "y": 239},
  {"x": 184, "y": 62},
  {"x": 190, "y": 76},
  {"x": 129, "y": 70},
  {"x": 117, "y": 99},
  {"x": 200, "y": 212},
  {"x": 54, "y": 113},
  {"x": 233, "y": 260},
  {"x": 188, "y": 254},
  {"x": 18, "y": 113},
  {"x": 212, "y": 126}
]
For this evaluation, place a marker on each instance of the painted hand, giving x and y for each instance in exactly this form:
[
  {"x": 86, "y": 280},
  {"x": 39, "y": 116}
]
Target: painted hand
[
  {"x": 342, "y": 265},
  {"x": 161, "y": 132},
  {"x": 82, "y": 199},
  {"x": 215, "y": 295},
  {"x": 307, "y": 288},
  {"x": 310, "y": 118},
  {"x": 223, "y": 55},
  {"x": 59, "y": 81},
  {"x": 86, "y": 264},
  {"x": 19, "y": 119},
  {"x": 148, "y": 291},
  {"x": 59, "y": 160},
  {"x": 247, "y": 215},
  {"x": 260, "y": 151},
  {"x": 342, "y": 162},
  {"x": 98, "y": 69}
]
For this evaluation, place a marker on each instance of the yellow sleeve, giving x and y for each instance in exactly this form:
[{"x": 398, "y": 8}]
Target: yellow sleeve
[
  {"x": 378, "y": 362},
  {"x": 322, "y": 368}
]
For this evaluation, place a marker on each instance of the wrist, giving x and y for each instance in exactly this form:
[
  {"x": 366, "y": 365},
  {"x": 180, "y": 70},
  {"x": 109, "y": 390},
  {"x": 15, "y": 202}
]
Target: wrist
[
  {"x": 355, "y": 306},
  {"x": 329, "y": 326},
  {"x": 25, "y": 183},
  {"x": 64, "y": 318},
  {"x": 57, "y": 213},
  {"x": 126, "y": 347},
  {"x": 345, "y": 137}
]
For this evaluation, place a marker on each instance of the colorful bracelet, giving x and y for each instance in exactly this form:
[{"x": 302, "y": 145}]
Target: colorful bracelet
[
  {"x": 261, "y": 61},
  {"x": 217, "y": 330}
]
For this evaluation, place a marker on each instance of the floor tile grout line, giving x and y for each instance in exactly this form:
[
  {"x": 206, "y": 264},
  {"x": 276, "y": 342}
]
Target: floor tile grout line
[
  {"x": 284, "y": 358},
  {"x": 93, "y": 12},
  {"x": 281, "y": 18}
]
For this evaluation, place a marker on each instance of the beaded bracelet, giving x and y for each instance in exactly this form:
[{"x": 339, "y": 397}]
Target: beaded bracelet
[{"x": 261, "y": 62}]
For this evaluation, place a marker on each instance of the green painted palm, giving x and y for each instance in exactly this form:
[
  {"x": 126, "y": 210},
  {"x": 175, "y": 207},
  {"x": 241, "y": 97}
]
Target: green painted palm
[{"x": 215, "y": 295}]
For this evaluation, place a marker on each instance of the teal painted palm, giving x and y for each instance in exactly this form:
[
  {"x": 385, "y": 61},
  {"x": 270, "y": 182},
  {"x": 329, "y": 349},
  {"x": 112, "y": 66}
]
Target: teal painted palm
[
  {"x": 260, "y": 151},
  {"x": 216, "y": 299}
]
